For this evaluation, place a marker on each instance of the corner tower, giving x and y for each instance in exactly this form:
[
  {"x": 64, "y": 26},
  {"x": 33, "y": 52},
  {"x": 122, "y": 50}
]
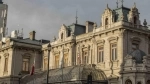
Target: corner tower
[{"x": 3, "y": 18}]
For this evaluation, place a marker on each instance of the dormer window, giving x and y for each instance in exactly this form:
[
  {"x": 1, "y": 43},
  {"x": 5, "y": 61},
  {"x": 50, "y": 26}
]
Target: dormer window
[
  {"x": 135, "y": 19},
  {"x": 61, "y": 35},
  {"x": 106, "y": 21}
]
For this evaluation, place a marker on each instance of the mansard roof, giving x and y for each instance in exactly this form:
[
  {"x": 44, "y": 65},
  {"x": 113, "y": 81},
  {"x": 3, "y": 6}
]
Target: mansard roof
[
  {"x": 122, "y": 11},
  {"x": 76, "y": 29},
  {"x": 70, "y": 74},
  {"x": 29, "y": 41}
]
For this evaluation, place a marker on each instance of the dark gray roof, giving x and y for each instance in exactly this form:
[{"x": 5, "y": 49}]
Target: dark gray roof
[
  {"x": 29, "y": 41},
  {"x": 71, "y": 73},
  {"x": 121, "y": 11},
  {"x": 138, "y": 55},
  {"x": 77, "y": 29}
]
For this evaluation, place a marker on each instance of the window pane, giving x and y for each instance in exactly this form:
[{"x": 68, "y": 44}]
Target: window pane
[
  {"x": 6, "y": 65},
  {"x": 25, "y": 64},
  {"x": 112, "y": 54},
  {"x": 115, "y": 53}
]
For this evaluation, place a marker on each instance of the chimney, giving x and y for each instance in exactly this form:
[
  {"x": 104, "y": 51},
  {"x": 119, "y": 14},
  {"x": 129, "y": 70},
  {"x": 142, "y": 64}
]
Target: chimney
[
  {"x": 32, "y": 35},
  {"x": 89, "y": 26}
]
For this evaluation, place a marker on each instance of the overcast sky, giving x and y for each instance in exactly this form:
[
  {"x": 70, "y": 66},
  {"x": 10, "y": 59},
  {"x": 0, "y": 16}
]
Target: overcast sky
[{"x": 47, "y": 16}]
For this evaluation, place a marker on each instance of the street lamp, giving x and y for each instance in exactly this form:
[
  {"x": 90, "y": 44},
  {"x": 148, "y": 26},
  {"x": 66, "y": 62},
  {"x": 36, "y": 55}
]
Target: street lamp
[
  {"x": 19, "y": 75},
  {"x": 49, "y": 48}
]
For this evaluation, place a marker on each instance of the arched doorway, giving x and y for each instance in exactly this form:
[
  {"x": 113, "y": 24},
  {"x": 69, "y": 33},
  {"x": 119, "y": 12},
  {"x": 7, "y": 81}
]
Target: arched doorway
[
  {"x": 128, "y": 81},
  {"x": 148, "y": 82},
  {"x": 139, "y": 83}
]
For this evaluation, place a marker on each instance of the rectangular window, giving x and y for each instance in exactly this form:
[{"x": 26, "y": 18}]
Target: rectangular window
[
  {"x": 100, "y": 57},
  {"x": 6, "y": 65},
  {"x": 114, "y": 52},
  {"x": 45, "y": 63},
  {"x": 25, "y": 63},
  {"x": 57, "y": 61},
  {"x": 65, "y": 60},
  {"x": 85, "y": 57}
]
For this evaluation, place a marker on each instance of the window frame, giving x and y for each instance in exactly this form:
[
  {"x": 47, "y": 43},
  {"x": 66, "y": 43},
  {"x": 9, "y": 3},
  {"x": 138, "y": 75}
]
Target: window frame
[
  {"x": 27, "y": 64},
  {"x": 85, "y": 57},
  {"x": 113, "y": 52},
  {"x": 100, "y": 54}
]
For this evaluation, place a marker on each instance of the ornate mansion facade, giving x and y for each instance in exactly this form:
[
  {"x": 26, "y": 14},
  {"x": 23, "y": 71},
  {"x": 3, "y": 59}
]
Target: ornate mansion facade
[
  {"x": 116, "y": 52},
  {"x": 120, "y": 46}
]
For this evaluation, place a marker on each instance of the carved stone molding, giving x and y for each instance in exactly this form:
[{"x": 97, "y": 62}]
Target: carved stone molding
[
  {"x": 121, "y": 33},
  {"x": 100, "y": 42},
  {"x": 6, "y": 55},
  {"x": 56, "y": 52},
  {"x": 113, "y": 39}
]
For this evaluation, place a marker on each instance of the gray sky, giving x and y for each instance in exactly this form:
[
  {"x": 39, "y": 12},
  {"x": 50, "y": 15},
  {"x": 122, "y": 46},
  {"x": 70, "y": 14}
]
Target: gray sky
[{"x": 47, "y": 16}]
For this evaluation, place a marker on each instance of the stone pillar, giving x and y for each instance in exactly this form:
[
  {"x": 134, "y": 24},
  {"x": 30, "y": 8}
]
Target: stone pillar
[
  {"x": 51, "y": 60},
  {"x": 120, "y": 47},
  {"x": 70, "y": 61}
]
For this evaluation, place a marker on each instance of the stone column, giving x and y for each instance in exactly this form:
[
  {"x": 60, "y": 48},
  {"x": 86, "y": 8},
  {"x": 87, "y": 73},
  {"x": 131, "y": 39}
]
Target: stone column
[
  {"x": 51, "y": 60},
  {"x": 120, "y": 47},
  {"x": 70, "y": 61}
]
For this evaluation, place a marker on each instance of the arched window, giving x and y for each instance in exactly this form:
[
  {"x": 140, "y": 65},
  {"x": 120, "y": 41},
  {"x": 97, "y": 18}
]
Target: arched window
[
  {"x": 106, "y": 21},
  {"x": 148, "y": 82},
  {"x": 128, "y": 81},
  {"x": 135, "y": 19},
  {"x": 61, "y": 35},
  {"x": 139, "y": 83}
]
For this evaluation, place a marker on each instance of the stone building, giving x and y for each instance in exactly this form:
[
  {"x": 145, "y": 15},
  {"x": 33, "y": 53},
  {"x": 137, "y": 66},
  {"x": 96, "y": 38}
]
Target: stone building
[
  {"x": 17, "y": 55},
  {"x": 116, "y": 52},
  {"x": 120, "y": 47}
]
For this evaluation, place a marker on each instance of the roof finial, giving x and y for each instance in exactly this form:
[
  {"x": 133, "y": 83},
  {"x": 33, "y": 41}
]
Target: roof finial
[
  {"x": 134, "y": 5},
  {"x": 107, "y": 5},
  {"x": 145, "y": 22},
  {"x": 117, "y": 3},
  {"x": 122, "y": 2},
  {"x": 76, "y": 17}
]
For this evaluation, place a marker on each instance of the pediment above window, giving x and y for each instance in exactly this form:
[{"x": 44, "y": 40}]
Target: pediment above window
[
  {"x": 100, "y": 42},
  {"x": 113, "y": 39}
]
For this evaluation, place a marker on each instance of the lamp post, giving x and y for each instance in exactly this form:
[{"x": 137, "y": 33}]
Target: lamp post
[
  {"x": 49, "y": 48},
  {"x": 19, "y": 75}
]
